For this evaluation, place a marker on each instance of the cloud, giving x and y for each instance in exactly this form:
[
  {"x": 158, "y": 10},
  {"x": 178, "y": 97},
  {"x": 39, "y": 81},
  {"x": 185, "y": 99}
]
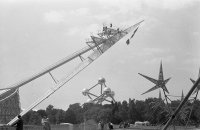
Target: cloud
[
  {"x": 155, "y": 60},
  {"x": 83, "y": 31},
  {"x": 176, "y": 4},
  {"x": 80, "y": 12},
  {"x": 168, "y": 4},
  {"x": 102, "y": 17},
  {"x": 138, "y": 5},
  {"x": 191, "y": 61},
  {"x": 151, "y": 52},
  {"x": 73, "y": 31},
  {"x": 196, "y": 34},
  {"x": 155, "y": 55},
  {"x": 54, "y": 16}
]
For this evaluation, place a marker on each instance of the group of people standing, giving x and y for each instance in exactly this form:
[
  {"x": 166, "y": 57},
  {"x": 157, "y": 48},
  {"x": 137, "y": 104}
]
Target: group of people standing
[
  {"x": 101, "y": 125},
  {"x": 19, "y": 123}
]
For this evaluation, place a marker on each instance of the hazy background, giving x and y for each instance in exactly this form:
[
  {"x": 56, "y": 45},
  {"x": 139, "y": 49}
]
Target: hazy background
[{"x": 35, "y": 34}]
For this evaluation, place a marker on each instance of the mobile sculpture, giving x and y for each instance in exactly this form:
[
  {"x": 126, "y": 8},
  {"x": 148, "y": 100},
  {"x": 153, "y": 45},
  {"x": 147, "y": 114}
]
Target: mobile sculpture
[
  {"x": 181, "y": 105},
  {"x": 105, "y": 93},
  {"x": 195, "y": 92},
  {"x": 183, "y": 110},
  {"x": 97, "y": 44},
  {"x": 160, "y": 83}
]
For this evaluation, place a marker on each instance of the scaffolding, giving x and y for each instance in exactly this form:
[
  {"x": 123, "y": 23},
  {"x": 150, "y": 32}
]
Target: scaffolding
[{"x": 9, "y": 105}]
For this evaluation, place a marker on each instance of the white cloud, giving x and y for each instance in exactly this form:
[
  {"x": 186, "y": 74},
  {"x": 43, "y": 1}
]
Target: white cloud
[
  {"x": 151, "y": 23},
  {"x": 123, "y": 5},
  {"x": 137, "y": 5},
  {"x": 80, "y": 12},
  {"x": 73, "y": 31},
  {"x": 102, "y": 17},
  {"x": 155, "y": 60},
  {"x": 83, "y": 31},
  {"x": 54, "y": 16},
  {"x": 169, "y": 4},
  {"x": 196, "y": 34},
  {"x": 191, "y": 61},
  {"x": 176, "y": 4},
  {"x": 155, "y": 55},
  {"x": 151, "y": 52}
]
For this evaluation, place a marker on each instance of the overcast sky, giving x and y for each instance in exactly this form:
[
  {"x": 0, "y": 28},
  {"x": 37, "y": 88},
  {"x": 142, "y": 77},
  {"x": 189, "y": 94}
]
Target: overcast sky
[{"x": 35, "y": 34}]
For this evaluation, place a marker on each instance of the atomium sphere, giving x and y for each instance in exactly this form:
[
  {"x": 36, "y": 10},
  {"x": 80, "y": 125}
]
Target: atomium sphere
[
  {"x": 89, "y": 101},
  {"x": 85, "y": 92},
  {"x": 101, "y": 80},
  {"x": 106, "y": 90}
]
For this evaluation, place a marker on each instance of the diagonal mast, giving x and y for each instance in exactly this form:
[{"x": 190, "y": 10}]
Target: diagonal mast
[
  {"x": 51, "y": 67},
  {"x": 100, "y": 45},
  {"x": 181, "y": 104}
]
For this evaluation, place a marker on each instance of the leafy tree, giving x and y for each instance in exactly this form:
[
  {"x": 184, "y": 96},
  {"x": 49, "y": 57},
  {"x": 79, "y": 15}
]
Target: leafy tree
[
  {"x": 70, "y": 116},
  {"x": 105, "y": 114},
  {"x": 60, "y": 116},
  {"x": 92, "y": 113},
  {"x": 35, "y": 118},
  {"x": 78, "y": 111},
  {"x": 132, "y": 113},
  {"x": 51, "y": 112},
  {"x": 152, "y": 109},
  {"x": 42, "y": 113},
  {"x": 123, "y": 113}
]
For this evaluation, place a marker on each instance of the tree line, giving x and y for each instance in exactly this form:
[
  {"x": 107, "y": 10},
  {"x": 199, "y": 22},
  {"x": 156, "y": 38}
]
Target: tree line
[{"x": 154, "y": 110}]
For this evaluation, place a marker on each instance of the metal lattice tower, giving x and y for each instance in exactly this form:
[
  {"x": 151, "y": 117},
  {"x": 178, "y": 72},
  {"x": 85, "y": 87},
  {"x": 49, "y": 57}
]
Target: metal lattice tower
[
  {"x": 96, "y": 46},
  {"x": 9, "y": 105}
]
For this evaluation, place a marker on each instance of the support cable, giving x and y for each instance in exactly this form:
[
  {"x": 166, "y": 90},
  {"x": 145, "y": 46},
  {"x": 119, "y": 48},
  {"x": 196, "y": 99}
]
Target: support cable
[{"x": 56, "y": 81}]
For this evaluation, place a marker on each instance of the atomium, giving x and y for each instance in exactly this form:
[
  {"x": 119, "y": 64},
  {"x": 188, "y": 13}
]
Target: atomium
[{"x": 105, "y": 93}]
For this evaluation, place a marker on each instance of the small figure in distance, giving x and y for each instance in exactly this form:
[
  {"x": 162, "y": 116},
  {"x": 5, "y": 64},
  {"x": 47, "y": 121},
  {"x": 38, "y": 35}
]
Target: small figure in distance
[
  {"x": 19, "y": 124},
  {"x": 110, "y": 126},
  {"x": 45, "y": 123},
  {"x": 102, "y": 125}
]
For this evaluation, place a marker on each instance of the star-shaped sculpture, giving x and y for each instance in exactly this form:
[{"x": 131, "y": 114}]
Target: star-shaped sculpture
[
  {"x": 198, "y": 86},
  {"x": 160, "y": 83}
]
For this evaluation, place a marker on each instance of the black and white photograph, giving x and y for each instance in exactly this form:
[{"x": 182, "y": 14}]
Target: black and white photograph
[{"x": 99, "y": 64}]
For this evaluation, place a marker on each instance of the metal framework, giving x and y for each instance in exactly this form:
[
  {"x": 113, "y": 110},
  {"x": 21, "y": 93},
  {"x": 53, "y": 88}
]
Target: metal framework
[
  {"x": 99, "y": 45},
  {"x": 105, "y": 92},
  {"x": 181, "y": 104},
  {"x": 160, "y": 83},
  {"x": 9, "y": 105},
  {"x": 183, "y": 109}
]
